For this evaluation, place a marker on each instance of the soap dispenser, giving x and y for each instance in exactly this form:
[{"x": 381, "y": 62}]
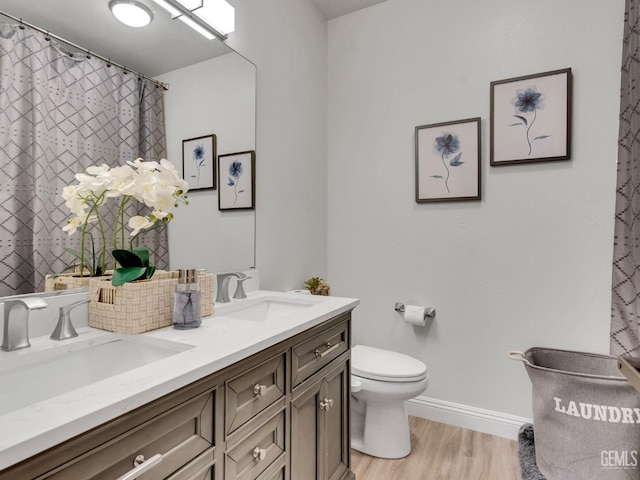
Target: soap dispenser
[{"x": 187, "y": 308}]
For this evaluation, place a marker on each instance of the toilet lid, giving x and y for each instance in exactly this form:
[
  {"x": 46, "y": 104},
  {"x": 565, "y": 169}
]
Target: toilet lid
[{"x": 386, "y": 366}]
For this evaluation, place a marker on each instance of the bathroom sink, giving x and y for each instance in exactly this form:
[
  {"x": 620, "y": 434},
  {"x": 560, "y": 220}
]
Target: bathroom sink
[
  {"x": 31, "y": 377},
  {"x": 267, "y": 309}
]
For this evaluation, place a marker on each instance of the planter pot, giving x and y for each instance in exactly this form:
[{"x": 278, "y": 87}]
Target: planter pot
[{"x": 138, "y": 307}]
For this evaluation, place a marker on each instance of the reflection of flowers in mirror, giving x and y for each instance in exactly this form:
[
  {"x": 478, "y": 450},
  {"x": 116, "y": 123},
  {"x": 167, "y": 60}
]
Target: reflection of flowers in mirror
[{"x": 157, "y": 185}]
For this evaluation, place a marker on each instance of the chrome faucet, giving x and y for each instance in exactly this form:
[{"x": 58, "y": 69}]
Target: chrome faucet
[
  {"x": 64, "y": 329},
  {"x": 16, "y": 322},
  {"x": 223, "y": 286}
]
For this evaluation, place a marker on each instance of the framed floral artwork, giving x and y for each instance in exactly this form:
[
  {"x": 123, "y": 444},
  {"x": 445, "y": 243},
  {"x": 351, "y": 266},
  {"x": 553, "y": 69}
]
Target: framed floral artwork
[
  {"x": 531, "y": 118},
  {"x": 198, "y": 162},
  {"x": 236, "y": 188},
  {"x": 448, "y": 161}
]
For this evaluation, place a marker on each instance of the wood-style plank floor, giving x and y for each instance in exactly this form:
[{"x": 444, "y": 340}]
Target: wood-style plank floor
[{"x": 444, "y": 452}]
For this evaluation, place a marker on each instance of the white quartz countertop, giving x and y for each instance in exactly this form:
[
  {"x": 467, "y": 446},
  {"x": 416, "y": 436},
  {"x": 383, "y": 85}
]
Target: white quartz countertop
[{"x": 219, "y": 342}]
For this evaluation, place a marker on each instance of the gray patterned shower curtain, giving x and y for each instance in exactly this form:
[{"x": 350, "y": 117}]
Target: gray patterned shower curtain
[
  {"x": 59, "y": 114},
  {"x": 625, "y": 305}
]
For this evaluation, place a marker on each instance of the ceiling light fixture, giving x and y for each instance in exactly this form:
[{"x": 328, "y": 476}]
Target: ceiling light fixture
[
  {"x": 130, "y": 12},
  {"x": 211, "y": 18}
]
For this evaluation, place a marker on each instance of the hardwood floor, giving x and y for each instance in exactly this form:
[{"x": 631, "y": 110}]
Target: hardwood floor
[{"x": 443, "y": 452}]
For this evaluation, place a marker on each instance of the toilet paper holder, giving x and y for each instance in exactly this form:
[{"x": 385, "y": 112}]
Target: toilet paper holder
[{"x": 428, "y": 311}]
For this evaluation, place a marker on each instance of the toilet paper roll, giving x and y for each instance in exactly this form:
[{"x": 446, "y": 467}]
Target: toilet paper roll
[{"x": 415, "y": 315}]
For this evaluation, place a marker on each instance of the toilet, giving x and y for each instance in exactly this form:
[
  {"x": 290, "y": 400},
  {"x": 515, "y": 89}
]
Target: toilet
[{"x": 381, "y": 382}]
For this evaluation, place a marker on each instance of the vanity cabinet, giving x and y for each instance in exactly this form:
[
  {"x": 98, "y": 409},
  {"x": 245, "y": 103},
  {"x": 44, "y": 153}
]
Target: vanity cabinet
[{"x": 281, "y": 414}]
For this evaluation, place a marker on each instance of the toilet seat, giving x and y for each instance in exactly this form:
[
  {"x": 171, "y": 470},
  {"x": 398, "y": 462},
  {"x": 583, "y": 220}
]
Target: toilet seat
[{"x": 386, "y": 366}]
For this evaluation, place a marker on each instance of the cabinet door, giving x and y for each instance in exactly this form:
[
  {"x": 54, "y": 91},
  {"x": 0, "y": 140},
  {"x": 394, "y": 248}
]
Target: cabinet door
[
  {"x": 320, "y": 433},
  {"x": 335, "y": 415},
  {"x": 305, "y": 432}
]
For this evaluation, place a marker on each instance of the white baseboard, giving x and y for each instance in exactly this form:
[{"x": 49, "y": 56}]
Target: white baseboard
[{"x": 464, "y": 416}]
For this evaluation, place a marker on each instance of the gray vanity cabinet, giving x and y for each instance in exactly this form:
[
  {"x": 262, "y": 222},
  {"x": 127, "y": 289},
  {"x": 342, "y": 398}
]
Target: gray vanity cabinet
[
  {"x": 281, "y": 414},
  {"x": 320, "y": 425}
]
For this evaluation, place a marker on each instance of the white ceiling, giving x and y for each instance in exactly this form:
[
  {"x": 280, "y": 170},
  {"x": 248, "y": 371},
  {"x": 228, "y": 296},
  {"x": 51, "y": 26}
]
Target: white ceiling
[
  {"x": 163, "y": 46},
  {"x": 336, "y": 8}
]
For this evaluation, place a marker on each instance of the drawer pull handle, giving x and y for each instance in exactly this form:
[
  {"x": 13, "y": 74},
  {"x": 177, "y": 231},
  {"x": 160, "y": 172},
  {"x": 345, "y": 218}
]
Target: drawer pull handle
[
  {"x": 259, "y": 454},
  {"x": 326, "y": 404},
  {"x": 259, "y": 390},
  {"x": 317, "y": 351},
  {"x": 141, "y": 466}
]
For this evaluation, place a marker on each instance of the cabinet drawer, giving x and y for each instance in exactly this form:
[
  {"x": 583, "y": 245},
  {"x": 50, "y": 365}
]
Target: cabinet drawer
[
  {"x": 254, "y": 454},
  {"x": 311, "y": 355},
  {"x": 179, "y": 435},
  {"x": 201, "y": 468},
  {"x": 253, "y": 391}
]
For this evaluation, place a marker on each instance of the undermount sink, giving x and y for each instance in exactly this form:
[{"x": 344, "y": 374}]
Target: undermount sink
[
  {"x": 31, "y": 377},
  {"x": 268, "y": 308}
]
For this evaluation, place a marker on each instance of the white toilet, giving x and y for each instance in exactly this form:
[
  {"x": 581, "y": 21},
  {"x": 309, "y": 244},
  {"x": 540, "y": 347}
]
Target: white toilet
[{"x": 381, "y": 382}]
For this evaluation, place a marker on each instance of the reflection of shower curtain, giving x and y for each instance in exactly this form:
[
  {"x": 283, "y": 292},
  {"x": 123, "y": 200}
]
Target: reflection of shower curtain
[
  {"x": 60, "y": 114},
  {"x": 625, "y": 308}
]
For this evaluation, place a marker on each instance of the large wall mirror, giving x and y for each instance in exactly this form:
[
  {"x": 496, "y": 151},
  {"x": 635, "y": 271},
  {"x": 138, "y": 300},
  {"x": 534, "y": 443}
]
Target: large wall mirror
[{"x": 212, "y": 91}]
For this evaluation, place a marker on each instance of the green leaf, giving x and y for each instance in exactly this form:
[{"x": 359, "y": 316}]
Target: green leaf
[
  {"x": 127, "y": 274},
  {"x": 127, "y": 258},
  {"x": 143, "y": 253},
  {"x": 151, "y": 269}
]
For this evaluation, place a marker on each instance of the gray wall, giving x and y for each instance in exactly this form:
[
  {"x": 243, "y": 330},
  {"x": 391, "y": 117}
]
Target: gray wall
[
  {"x": 529, "y": 265},
  {"x": 287, "y": 40}
]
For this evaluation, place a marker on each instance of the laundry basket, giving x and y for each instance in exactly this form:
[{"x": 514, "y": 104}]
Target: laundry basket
[{"x": 586, "y": 416}]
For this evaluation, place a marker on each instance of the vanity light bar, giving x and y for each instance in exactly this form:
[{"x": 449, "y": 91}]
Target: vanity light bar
[{"x": 210, "y": 18}]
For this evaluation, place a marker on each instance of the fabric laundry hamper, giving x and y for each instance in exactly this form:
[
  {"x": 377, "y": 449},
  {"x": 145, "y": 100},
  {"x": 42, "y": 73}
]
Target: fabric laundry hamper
[{"x": 586, "y": 416}]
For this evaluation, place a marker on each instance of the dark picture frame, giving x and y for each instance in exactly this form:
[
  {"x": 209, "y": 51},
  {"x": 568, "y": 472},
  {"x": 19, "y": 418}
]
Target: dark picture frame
[
  {"x": 448, "y": 160},
  {"x": 531, "y": 118},
  {"x": 199, "y": 162},
  {"x": 237, "y": 180}
]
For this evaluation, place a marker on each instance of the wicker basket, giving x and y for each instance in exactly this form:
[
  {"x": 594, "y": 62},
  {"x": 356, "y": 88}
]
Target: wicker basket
[
  {"x": 138, "y": 307},
  {"x": 65, "y": 281}
]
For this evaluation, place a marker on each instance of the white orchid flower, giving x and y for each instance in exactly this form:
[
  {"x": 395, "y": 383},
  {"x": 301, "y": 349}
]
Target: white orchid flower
[
  {"x": 138, "y": 223},
  {"x": 122, "y": 181},
  {"x": 72, "y": 225},
  {"x": 76, "y": 205},
  {"x": 164, "y": 201}
]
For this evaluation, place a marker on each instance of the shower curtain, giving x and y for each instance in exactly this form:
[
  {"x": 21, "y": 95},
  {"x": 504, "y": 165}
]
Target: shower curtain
[
  {"x": 60, "y": 113},
  {"x": 625, "y": 305}
]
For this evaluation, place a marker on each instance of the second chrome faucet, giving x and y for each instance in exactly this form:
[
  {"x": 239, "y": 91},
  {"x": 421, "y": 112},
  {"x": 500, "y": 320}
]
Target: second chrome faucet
[{"x": 222, "y": 280}]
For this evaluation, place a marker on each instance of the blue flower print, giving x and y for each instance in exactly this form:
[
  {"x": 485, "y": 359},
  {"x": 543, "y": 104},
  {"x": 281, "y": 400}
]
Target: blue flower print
[
  {"x": 447, "y": 144},
  {"x": 235, "y": 169},
  {"x": 198, "y": 158},
  {"x": 235, "y": 172},
  {"x": 525, "y": 102},
  {"x": 528, "y": 100}
]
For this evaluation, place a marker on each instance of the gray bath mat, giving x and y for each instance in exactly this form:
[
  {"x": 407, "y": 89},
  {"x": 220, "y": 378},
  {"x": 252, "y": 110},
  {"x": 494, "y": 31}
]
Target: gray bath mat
[{"x": 527, "y": 454}]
